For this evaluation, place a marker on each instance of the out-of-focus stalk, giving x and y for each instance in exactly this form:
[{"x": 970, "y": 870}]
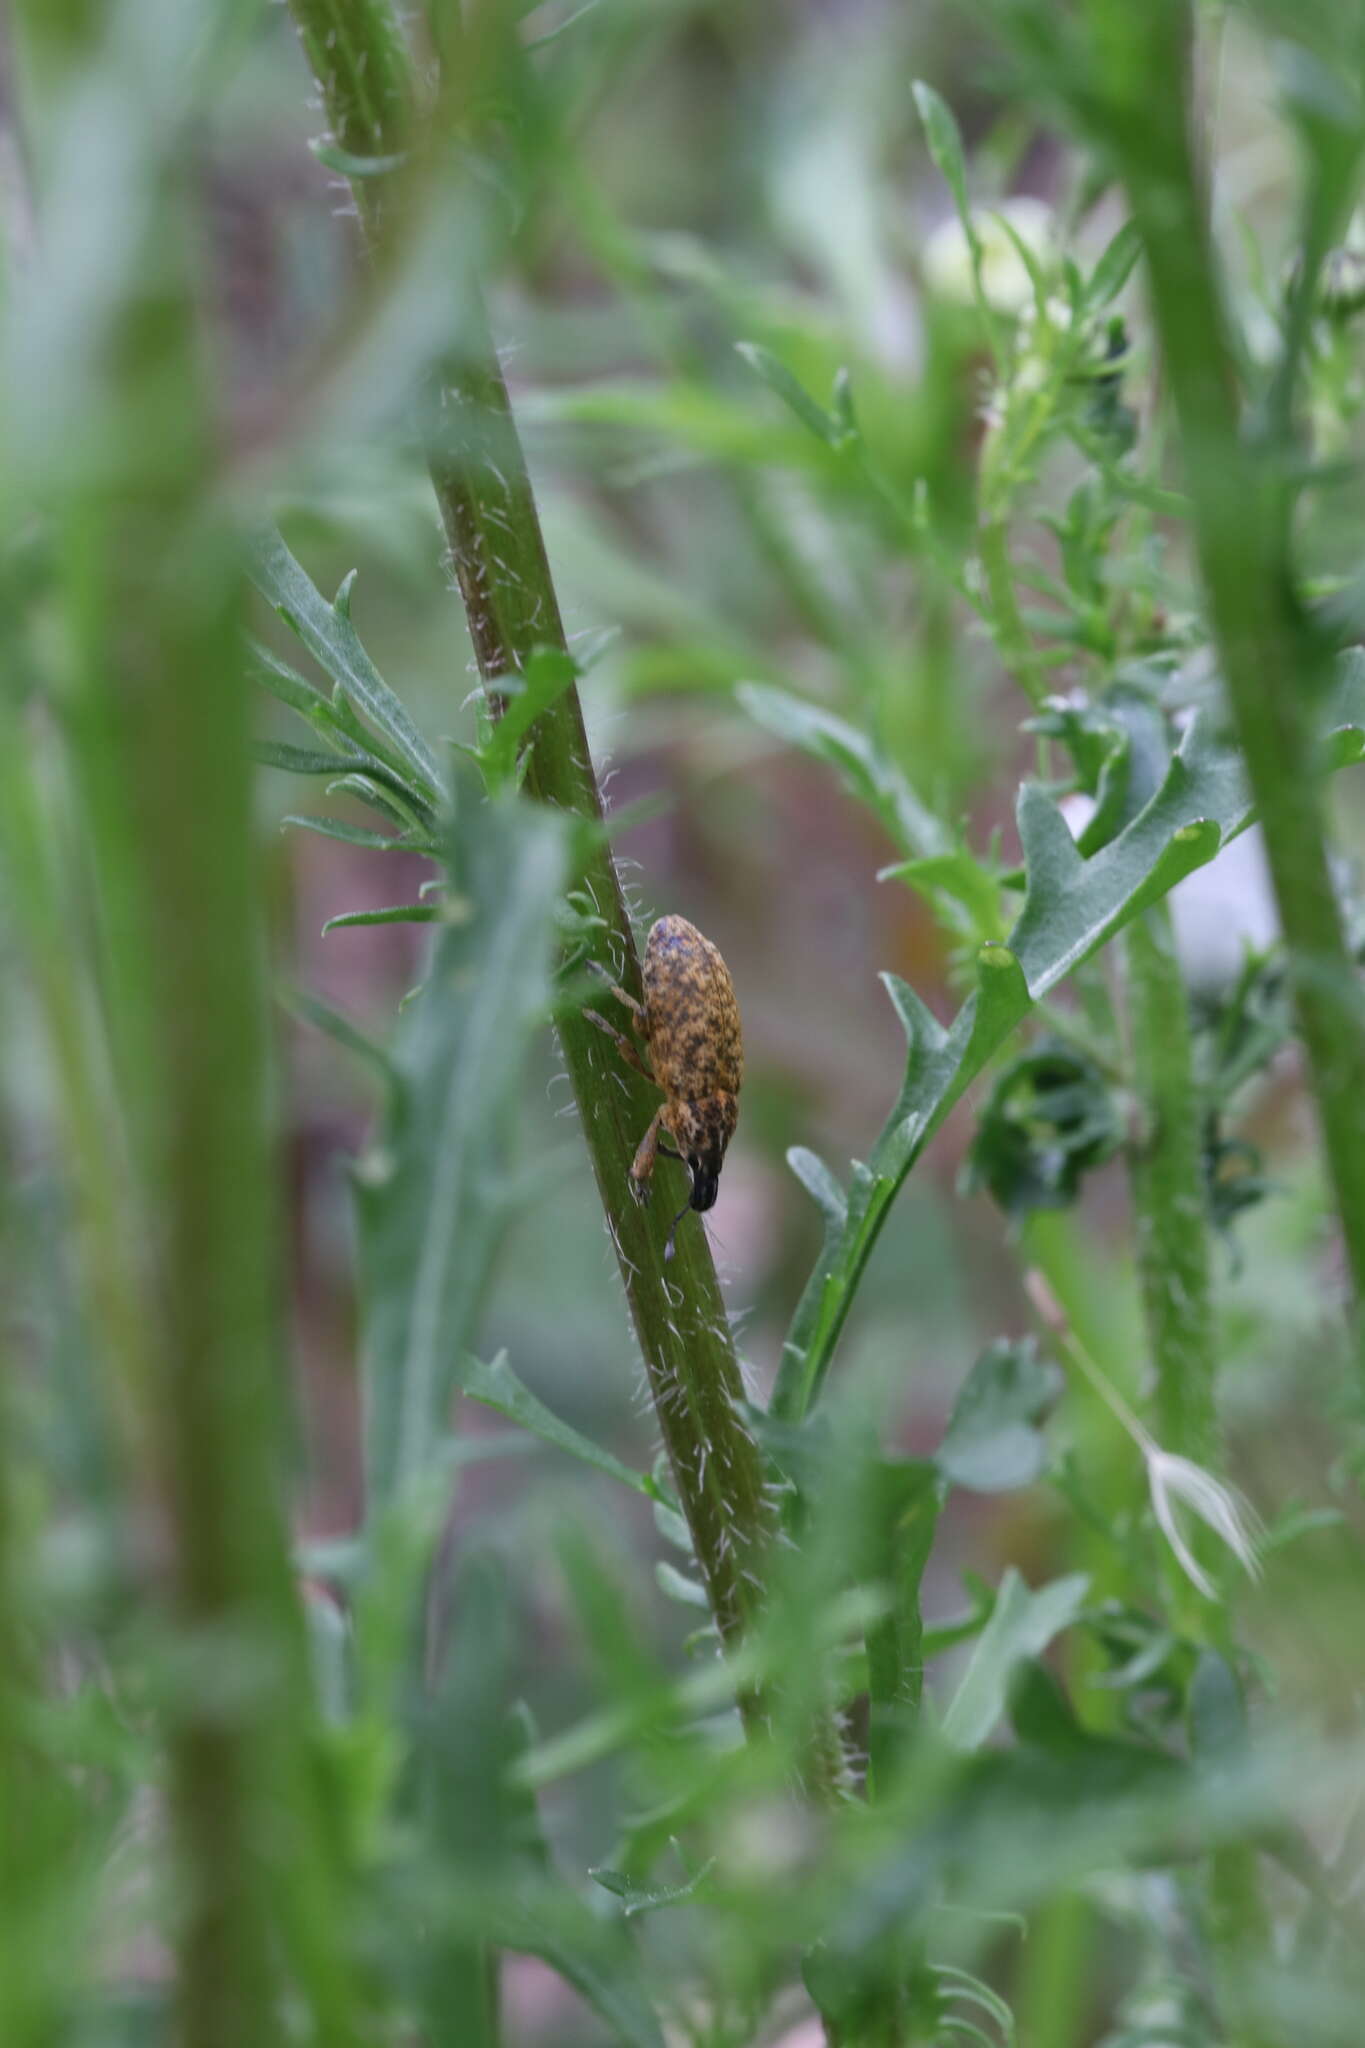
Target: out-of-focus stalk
[
  {"x": 156, "y": 711},
  {"x": 1272, "y": 664}
]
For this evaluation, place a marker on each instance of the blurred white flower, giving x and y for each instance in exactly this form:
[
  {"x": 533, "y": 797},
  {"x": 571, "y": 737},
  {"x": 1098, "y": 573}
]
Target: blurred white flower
[
  {"x": 1175, "y": 1480},
  {"x": 1223, "y": 908},
  {"x": 1005, "y": 282}
]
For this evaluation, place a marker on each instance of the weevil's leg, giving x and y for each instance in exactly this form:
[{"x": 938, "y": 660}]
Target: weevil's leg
[
  {"x": 627, "y": 1050},
  {"x": 614, "y": 988},
  {"x": 642, "y": 1166}
]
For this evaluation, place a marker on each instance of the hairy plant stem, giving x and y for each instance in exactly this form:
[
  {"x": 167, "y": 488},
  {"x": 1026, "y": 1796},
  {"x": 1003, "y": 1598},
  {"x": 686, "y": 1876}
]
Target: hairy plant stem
[
  {"x": 488, "y": 509},
  {"x": 1272, "y": 663},
  {"x": 1272, "y": 667}
]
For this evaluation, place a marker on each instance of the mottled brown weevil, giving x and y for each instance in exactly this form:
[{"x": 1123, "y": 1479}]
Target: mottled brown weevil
[{"x": 694, "y": 1051}]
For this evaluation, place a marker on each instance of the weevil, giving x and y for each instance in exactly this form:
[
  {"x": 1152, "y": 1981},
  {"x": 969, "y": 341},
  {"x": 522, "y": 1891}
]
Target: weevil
[{"x": 694, "y": 1052}]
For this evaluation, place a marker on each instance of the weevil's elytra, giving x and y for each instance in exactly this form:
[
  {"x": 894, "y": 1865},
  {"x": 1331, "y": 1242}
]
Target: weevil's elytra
[{"x": 694, "y": 1052}]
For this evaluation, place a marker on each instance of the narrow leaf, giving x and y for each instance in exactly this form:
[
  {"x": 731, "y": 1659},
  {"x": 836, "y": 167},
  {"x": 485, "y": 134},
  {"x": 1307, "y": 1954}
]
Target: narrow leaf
[
  {"x": 496, "y": 1386},
  {"x": 793, "y": 394},
  {"x": 549, "y": 673},
  {"x": 395, "y": 913},
  {"x": 285, "y": 682},
  {"x": 944, "y": 138},
  {"x": 361, "y": 835},
  {"x": 1115, "y": 266},
  {"x": 1022, "y": 1624},
  {"x": 313, "y": 761},
  {"x": 866, "y": 771},
  {"x": 819, "y": 1183}
]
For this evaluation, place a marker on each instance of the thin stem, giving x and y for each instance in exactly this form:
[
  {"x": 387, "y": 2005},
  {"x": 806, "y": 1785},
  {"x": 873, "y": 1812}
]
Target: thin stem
[
  {"x": 1167, "y": 1180},
  {"x": 1012, "y": 634},
  {"x": 488, "y": 509},
  {"x": 1054, "y": 1320}
]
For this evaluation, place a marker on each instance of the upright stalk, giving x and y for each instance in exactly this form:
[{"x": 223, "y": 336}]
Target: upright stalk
[
  {"x": 1272, "y": 663},
  {"x": 1273, "y": 668},
  {"x": 488, "y": 509},
  {"x": 156, "y": 708}
]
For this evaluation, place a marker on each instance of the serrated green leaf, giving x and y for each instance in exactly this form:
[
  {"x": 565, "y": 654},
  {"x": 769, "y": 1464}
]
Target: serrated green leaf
[
  {"x": 1022, "y": 1624},
  {"x": 335, "y": 645},
  {"x": 1071, "y": 906},
  {"x": 496, "y": 1386}
]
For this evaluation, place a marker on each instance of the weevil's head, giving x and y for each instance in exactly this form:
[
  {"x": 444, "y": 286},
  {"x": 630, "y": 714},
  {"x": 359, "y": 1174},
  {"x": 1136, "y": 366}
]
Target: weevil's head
[{"x": 702, "y": 1130}]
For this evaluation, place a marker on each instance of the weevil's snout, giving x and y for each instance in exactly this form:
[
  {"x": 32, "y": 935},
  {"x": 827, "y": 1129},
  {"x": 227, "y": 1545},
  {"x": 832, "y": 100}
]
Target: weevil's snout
[{"x": 703, "y": 1130}]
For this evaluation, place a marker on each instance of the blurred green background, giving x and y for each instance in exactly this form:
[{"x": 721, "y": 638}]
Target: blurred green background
[{"x": 679, "y": 179}]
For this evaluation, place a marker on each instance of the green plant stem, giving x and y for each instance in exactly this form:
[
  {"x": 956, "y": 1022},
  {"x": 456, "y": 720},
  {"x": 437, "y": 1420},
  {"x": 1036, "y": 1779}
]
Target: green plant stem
[
  {"x": 488, "y": 509},
  {"x": 1012, "y": 636},
  {"x": 1272, "y": 664},
  {"x": 43, "y": 1829},
  {"x": 156, "y": 706},
  {"x": 1273, "y": 669},
  {"x": 1170, "y": 1211}
]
